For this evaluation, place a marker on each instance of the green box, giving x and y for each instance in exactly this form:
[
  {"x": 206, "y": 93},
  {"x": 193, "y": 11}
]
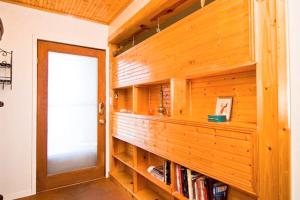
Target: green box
[{"x": 217, "y": 118}]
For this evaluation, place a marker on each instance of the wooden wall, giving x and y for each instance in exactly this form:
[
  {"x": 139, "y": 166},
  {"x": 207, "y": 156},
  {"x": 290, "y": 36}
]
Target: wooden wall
[
  {"x": 216, "y": 38},
  {"x": 208, "y": 54},
  {"x": 240, "y": 86}
]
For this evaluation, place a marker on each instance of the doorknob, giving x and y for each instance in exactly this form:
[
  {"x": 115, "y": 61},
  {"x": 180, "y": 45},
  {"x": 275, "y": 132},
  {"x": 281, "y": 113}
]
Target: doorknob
[
  {"x": 101, "y": 121},
  {"x": 101, "y": 108}
]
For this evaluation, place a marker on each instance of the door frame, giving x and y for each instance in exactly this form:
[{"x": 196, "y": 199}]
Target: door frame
[{"x": 102, "y": 148}]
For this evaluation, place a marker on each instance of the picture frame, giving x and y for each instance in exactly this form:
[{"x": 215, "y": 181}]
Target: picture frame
[{"x": 224, "y": 106}]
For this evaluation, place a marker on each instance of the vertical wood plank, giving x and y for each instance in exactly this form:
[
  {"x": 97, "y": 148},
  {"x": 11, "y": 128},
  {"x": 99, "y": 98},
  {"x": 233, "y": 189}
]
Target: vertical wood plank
[
  {"x": 283, "y": 101},
  {"x": 178, "y": 97},
  {"x": 111, "y": 109},
  {"x": 267, "y": 90}
]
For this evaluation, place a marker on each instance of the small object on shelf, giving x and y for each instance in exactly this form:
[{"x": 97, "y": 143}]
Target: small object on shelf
[
  {"x": 167, "y": 172},
  {"x": 194, "y": 185},
  {"x": 223, "y": 106},
  {"x": 202, "y": 3},
  {"x": 123, "y": 110},
  {"x": 161, "y": 109},
  {"x": 217, "y": 118},
  {"x": 116, "y": 96},
  {"x": 150, "y": 112},
  {"x": 220, "y": 191},
  {"x": 157, "y": 172},
  {"x": 5, "y": 68}
]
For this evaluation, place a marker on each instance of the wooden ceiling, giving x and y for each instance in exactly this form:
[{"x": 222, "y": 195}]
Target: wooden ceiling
[{"x": 102, "y": 11}]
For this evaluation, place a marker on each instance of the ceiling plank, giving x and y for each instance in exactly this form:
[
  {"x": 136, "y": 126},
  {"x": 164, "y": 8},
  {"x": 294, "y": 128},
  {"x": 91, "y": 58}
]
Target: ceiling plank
[{"x": 103, "y": 12}]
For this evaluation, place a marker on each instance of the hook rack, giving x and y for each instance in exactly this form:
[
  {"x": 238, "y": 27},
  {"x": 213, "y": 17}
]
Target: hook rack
[{"x": 6, "y": 68}]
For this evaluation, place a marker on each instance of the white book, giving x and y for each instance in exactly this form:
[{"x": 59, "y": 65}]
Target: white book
[
  {"x": 177, "y": 178},
  {"x": 190, "y": 185}
]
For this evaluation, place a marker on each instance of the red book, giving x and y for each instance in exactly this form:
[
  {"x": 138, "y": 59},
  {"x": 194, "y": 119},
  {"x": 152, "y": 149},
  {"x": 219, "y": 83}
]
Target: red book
[{"x": 179, "y": 179}]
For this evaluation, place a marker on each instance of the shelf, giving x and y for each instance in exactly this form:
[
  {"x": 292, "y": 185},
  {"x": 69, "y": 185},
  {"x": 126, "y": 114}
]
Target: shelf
[
  {"x": 179, "y": 196},
  {"x": 122, "y": 100},
  {"x": 189, "y": 120},
  {"x": 124, "y": 179},
  {"x": 125, "y": 159},
  {"x": 148, "y": 194},
  {"x": 154, "y": 180}
]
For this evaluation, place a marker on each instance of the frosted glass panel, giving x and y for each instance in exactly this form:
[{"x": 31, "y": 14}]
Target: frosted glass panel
[{"x": 72, "y": 112}]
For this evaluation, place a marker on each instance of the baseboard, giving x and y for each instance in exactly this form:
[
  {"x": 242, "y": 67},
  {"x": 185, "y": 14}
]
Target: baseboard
[{"x": 17, "y": 195}]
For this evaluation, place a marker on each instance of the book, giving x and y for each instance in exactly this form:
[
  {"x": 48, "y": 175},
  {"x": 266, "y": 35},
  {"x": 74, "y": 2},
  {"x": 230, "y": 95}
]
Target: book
[
  {"x": 184, "y": 181},
  {"x": 167, "y": 172},
  {"x": 203, "y": 188},
  {"x": 223, "y": 106},
  {"x": 178, "y": 179},
  {"x": 157, "y": 172},
  {"x": 220, "y": 191},
  {"x": 190, "y": 186},
  {"x": 195, "y": 186},
  {"x": 195, "y": 176}
]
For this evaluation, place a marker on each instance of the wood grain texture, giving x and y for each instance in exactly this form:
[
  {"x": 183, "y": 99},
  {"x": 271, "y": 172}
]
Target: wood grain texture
[
  {"x": 212, "y": 39},
  {"x": 215, "y": 52},
  {"x": 104, "y": 11},
  {"x": 147, "y": 16},
  {"x": 240, "y": 86},
  {"x": 221, "y": 154},
  {"x": 283, "y": 104},
  {"x": 123, "y": 100},
  {"x": 272, "y": 118}
]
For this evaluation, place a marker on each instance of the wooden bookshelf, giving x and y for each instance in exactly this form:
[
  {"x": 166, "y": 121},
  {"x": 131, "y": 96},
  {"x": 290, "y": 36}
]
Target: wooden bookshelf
[
  {"x": 178, "y": 196},
  {"x": 124, "y": 179},
  {"x": 124, "y": 158},
  {"x": 194, "y": 66}
]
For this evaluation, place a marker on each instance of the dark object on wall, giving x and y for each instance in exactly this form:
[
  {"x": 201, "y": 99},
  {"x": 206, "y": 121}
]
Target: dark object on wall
[
  {"x": 1, "y": 197},
  {"x": 1, "y": 105},
  {"x": 1, "y": 29},
  {"x": 6, "y": 58}
]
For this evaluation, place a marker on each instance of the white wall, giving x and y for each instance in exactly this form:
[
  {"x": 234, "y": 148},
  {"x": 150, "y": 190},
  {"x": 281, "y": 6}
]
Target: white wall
[
  {"x": 130, "y": 11},
  {"x": 17, "y": 119},
  {"x": 294, "y": 61}
]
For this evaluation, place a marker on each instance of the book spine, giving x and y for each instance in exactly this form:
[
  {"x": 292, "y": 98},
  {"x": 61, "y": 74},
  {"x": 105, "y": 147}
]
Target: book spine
[
  {"x": 190, "y": 186},
  {"x": 195, "y": 190},
  {"x": 180, "y": 179},
  {"x": 168, "y": 173},
  {"x": 165, "y": 172},
  {"x": 184, "y": 182}
]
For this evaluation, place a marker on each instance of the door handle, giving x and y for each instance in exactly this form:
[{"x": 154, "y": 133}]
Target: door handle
[
  {"x": 101, "y": 121},
  {"x": 101, "y": 108}
]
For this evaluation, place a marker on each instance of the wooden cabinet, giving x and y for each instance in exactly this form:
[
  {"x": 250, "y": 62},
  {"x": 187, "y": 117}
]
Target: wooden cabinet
[{"x": 208, "y": 54}]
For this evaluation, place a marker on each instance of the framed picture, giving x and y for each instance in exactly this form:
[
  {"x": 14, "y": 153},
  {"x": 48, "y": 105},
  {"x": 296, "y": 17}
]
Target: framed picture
[{"x": 223, "y": 106}]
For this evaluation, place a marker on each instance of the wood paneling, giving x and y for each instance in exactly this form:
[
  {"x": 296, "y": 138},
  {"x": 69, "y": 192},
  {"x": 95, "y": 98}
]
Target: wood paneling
[
  {"x": 103, "y": 11},
  {"x": 123, "y": 100},
  {"x": 147, "y": 16},
  {"x": 214, "y": 38},
  {"x": 226, "y": 155},
  {"x": 215, "y": 52},
  {"x": 240, "y": 86}
]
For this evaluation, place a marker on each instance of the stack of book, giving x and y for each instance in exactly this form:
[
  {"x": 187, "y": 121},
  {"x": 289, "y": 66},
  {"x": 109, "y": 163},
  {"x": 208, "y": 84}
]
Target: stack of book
[
  {"x": 195, "y": 186},
  {"x": 161, "y": 172}
]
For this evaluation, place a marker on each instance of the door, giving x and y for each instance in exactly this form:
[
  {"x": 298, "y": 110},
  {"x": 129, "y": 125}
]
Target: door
[{"x": 70, "y": 115}]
